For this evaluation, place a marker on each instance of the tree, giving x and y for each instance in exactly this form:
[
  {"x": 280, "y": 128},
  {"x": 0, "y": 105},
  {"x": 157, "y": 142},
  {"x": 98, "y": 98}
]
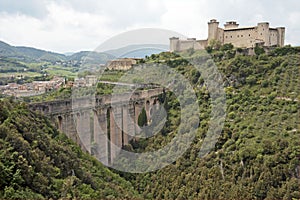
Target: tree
[
  {"x": 215, "y": 44},
  {"x": 227, "y": 47},
  {"x": 142, "y": 119},
  {"x": 259, "y": 50}
]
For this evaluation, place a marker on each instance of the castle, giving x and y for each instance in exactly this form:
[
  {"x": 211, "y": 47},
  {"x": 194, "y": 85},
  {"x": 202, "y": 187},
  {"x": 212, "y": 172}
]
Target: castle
[{"x": 245, "y": 37}]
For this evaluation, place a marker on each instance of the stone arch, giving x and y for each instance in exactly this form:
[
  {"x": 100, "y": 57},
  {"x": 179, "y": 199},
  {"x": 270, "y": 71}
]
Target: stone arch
[
  {"x": 45, "y": 109},
  {"x": 148, "y": 109},
  {"x": 60, "y": 121}
]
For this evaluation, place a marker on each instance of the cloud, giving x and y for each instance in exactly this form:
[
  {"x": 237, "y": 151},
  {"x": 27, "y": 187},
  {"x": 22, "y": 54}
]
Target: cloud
[
  {"x": 62, "y": 30},
  {"x": 72, "y": 25},
  {"x": 121, "y": 13},
  {"x": 34, "y": 8}
]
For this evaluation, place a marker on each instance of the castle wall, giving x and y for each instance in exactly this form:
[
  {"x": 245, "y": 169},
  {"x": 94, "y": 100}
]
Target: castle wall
[
  {"x": 244, "y": 38},
  {"x": 182, "y": 45},
  {"x": 249, "y": 37},
  {"x": 274, "y": 37},
  {"x": 201, "y": 44},
  {"x": 186, "y": 44},
  {"x": 221, "y": 35}
]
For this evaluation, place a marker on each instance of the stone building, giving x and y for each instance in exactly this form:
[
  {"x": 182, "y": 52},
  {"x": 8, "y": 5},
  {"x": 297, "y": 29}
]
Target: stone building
[
  {"x": 242, "y": 37},
  {"x": 91, "y": 80},
  {"x": 121, "y": 64}
]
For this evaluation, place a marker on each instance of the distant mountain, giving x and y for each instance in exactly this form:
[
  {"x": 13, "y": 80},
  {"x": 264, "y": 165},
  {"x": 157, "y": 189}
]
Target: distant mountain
[
  {"x": 91, "y": 57},
  {"x": 29, "y": 54},
  {"x": 6, "y": 49},
  {"x": 68, "y": 53},
  {"x": 138, "y": 51}
]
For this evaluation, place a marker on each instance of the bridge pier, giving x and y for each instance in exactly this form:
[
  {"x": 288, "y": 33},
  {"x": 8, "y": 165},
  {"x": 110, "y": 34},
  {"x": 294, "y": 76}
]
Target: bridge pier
[
  {"x": 100, "y": 145},
  {"x": 115, "y": 132},
  {"x": 137, "y": 110},
  {"x": 83, "y": 122}
]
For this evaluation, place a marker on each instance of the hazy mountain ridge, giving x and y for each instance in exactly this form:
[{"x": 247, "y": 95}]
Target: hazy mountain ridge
[{"x": 29, "y": 54}]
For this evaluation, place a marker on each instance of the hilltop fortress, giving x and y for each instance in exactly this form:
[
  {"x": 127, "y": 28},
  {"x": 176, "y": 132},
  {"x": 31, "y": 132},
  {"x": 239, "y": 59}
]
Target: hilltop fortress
[{"x": 245, "y": 37}]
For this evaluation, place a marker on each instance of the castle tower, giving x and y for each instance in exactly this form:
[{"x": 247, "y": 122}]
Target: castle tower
[
  {"x": 281, "y": 36},
  {"x": 231, "y": 25},
  {"x": 213, "y": 26},
  {"x": 174, "y": 44},
  {"x": 263, "y": 33}
]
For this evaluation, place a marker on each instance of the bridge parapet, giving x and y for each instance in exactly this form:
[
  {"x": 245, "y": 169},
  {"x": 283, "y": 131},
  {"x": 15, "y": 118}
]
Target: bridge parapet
[{"x": 90, "y": 102}]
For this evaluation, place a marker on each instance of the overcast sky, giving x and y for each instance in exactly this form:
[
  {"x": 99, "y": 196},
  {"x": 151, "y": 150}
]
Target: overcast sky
[{"x": 74, "y": 25}]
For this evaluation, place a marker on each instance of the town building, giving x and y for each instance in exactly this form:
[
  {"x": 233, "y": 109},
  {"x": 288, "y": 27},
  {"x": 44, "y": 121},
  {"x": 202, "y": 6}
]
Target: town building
[{"x": 32, "y": 89}]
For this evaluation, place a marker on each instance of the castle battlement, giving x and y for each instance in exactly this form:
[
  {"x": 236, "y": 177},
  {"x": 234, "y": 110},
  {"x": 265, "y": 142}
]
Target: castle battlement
[{"x": 240, "y": 37}]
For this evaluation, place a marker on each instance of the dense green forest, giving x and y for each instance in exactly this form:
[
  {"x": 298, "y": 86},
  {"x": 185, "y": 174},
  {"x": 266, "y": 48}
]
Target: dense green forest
[
  {"x": 37, "y": 162},
  {"x": 257, "y": 155}
]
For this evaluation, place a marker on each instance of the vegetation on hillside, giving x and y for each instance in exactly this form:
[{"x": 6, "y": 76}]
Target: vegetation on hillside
[
  {"x": 257, "y": 156},
  {"x": 258, "y": 152},
  {"x": 38, "y": 162}
]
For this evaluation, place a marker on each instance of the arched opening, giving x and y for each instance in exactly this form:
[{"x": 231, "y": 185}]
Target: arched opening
[
  {"x": 60, "y": 119},
  {"x": 142, "y": 118}
]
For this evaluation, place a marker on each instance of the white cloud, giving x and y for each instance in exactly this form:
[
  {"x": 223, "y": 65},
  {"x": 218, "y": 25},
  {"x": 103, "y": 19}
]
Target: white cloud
[{"x": 72, "y": 25}]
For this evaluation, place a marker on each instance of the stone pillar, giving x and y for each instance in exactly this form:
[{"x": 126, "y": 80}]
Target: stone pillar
[
  {"x": 100, "y": 136},
  {"x": 112, "y": 136},
  {"x": 116, "y": 136},
  {"x": 118, "y": 115},
  {"x": 83, "y": 129},
  {"x": 71, "y": 128},
  {"x": 137, "y": 111},
  {"x": 125, "y": 123}
]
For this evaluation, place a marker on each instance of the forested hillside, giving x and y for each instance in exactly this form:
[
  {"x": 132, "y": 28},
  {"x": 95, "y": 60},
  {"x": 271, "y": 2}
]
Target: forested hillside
[
  {"x": 37, "y": 162},
  {"x": 257, "y": 155}
]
